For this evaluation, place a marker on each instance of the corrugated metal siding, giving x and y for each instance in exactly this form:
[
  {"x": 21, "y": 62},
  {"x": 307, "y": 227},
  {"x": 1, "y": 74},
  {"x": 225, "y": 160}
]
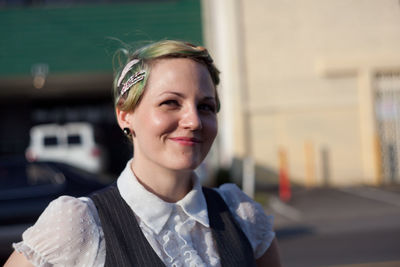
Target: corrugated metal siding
[{"x": 73, "y": 40}]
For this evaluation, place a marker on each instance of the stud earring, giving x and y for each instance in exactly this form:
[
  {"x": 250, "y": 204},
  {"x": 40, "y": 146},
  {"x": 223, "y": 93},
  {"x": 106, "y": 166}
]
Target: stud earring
[{"x": 127, "y": 131}]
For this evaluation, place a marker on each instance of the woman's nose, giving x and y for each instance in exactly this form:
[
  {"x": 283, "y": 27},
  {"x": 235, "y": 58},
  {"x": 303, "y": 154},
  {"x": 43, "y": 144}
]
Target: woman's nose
[{"x": 191, "y": 119}]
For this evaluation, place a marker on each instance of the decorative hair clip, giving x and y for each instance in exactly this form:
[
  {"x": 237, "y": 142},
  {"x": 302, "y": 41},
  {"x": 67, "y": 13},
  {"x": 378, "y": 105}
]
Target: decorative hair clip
[
  {"x": 127, "y": 68},
  {"x": 137, "y": 77}
]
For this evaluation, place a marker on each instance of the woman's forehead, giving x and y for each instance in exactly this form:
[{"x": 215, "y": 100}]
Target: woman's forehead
[{"x": 179, "y": 75}]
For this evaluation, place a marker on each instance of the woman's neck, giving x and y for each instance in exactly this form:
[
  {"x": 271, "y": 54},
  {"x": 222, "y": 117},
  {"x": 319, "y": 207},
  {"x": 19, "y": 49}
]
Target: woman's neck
[{"x": 169, "y": 185}]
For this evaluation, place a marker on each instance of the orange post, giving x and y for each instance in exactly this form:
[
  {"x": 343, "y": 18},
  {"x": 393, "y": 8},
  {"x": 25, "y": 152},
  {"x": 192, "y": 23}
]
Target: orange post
[
  {"x": 378, "y": 159},
  {"x": 285, "y": 193}
]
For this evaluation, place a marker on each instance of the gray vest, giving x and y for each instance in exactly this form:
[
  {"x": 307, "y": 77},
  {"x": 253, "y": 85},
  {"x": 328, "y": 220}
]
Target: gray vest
[{"x": 127, "y": 246}]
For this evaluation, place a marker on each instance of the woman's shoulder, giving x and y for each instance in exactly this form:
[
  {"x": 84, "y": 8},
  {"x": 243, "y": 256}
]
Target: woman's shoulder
[
  {"x": 254, "y": 222},
  {"x": 232, "y": 194},
  {"x": 241, "y": 204},
  {"x": 66, "y": 230}
]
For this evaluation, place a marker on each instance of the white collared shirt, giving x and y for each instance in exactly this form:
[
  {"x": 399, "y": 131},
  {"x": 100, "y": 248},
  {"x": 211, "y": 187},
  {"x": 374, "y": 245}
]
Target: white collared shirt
[{"x": 69, "y": 232}]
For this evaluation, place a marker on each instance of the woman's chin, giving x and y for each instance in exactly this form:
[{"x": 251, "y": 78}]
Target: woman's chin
[{"x": 186, "y": 165}]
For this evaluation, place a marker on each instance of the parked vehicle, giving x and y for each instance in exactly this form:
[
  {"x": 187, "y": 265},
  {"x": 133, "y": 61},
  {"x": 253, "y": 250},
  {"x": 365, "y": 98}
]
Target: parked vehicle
[
  {"x": 26, "y": 188},
  {"x": 71, "y": 143}
]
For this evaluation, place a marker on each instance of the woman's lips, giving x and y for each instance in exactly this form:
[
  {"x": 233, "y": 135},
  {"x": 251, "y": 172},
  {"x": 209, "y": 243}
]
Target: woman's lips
[{"x": 186, "y": 141}]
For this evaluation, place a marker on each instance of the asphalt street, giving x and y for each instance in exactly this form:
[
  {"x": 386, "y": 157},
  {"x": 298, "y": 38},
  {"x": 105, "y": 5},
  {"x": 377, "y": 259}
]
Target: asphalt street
[{"x": 339, "y": 227}]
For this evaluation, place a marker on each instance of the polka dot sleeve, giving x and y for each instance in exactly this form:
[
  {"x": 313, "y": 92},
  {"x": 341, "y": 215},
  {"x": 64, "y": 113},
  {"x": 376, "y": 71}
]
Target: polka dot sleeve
[
  {"x": 256, "y": 225},
  {"x": 66, "y": 234}
]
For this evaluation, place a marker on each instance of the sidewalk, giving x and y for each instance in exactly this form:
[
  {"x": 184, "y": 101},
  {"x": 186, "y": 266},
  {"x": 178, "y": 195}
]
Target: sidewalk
[
  {"x": 335, "y": 227},
  {"x": 336, "y": 209}
]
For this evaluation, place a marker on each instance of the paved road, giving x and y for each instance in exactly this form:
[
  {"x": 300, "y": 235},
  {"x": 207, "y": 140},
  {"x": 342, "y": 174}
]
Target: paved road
[{"x": 331, "y": 227}]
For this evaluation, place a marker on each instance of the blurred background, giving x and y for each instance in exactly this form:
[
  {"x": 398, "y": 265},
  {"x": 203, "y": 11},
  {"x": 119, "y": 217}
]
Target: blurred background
[{"x": 309, "y": 123}]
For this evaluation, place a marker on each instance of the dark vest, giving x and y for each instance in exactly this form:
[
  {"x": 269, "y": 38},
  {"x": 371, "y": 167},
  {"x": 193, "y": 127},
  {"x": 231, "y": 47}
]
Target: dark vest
[{"x": 126, "y": 245}]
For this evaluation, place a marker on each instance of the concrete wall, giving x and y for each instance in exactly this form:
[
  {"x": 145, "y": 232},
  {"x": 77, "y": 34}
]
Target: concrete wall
[{"x": 309, "y": 69}]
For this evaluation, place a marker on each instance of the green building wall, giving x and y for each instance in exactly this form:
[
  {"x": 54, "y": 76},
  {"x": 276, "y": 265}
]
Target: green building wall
[{"x": 80, "y": 38}]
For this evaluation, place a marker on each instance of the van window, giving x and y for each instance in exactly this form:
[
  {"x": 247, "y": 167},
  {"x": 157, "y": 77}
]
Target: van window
[
  {"x": 50, "y": 141},
  {"x": 74, "y": 139}
]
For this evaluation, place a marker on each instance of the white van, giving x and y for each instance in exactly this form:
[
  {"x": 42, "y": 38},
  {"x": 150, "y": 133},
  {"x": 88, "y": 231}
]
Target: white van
[{"x": 71, "y": 143}]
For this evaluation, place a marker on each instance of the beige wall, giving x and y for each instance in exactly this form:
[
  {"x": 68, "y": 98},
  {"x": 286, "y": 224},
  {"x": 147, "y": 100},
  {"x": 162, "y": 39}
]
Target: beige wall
[{"x": 309, "y": 68}]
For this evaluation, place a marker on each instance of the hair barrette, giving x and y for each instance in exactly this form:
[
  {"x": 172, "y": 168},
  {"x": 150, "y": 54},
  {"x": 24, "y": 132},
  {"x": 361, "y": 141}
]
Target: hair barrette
[
  {"x": 137, "y": 77},
  {"x": 127, "y": 68}
]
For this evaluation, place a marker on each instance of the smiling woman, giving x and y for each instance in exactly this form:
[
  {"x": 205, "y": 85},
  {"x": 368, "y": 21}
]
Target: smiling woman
[
  {"x": 157, "y": 214},
  {"x": 175, "y": 122}
]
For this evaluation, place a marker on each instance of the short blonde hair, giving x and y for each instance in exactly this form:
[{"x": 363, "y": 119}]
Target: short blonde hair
[{"x": 145, "y": 56}]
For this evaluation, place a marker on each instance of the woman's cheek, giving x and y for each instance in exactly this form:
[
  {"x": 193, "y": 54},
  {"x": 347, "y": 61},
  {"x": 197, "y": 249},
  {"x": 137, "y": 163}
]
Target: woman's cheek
[
  {"x": 161, "y": 120},
  {"x": 212, "y": 126}
]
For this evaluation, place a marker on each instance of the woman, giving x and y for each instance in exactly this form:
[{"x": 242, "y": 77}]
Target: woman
[{"x": 157, "y": 213}]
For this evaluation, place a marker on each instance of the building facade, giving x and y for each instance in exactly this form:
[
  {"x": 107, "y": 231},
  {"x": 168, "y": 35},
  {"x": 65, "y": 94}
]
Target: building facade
[{"x": 311, "y": 87}]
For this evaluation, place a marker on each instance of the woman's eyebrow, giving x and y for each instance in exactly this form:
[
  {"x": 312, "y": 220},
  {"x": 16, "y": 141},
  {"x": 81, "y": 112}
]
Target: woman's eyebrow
[
  {"x": 207, "y": 98},
  {"x": 172, "y": 92},
  {"x": 212, "y": 98}
]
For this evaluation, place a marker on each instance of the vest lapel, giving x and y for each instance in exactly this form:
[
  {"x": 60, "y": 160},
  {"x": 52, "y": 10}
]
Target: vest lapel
[
  {"x": 126, "y": 244},
  {"x": 233, "y": 246}
]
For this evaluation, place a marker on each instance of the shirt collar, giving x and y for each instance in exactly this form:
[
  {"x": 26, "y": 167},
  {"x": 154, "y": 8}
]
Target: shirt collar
[
  {"x": 139, "y": 200},
  {"x": 194, "y": 203}
]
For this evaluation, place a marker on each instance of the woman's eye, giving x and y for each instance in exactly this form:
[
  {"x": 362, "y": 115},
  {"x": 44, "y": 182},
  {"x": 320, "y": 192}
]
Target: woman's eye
[
  {"x": 170, "y": 103},
  {"x": 207, "y": 107}
]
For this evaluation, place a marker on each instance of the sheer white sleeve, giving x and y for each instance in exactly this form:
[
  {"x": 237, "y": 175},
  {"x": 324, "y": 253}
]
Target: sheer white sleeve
[
  {"x": 250, "y": 215},
  {"x": 66, "y": 234}
]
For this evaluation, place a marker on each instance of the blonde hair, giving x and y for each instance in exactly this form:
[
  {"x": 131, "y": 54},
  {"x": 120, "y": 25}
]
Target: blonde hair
[{"x": 145, "y": 56}]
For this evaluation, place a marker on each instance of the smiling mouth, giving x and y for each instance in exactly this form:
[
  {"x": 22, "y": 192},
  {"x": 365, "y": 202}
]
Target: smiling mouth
[{"x": 186, "y": 141}]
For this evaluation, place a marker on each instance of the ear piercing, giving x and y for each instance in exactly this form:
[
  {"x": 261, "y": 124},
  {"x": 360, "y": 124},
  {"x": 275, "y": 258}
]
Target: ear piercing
[{"x": 127, "y": 131}]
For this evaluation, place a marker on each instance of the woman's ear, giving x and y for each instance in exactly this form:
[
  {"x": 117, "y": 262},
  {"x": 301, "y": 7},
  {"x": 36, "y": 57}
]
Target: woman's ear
[{"x": 124, "y": 118}]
